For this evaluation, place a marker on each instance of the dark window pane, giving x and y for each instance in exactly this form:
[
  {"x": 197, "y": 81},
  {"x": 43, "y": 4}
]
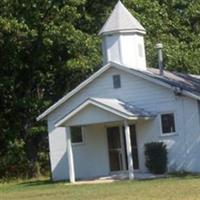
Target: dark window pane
[
  {"x": 114, "y": 138},
  {"x": 76, "y": 134},
  {"x": 115, "y": 160},
  {"x": 168, "y": 123},
  {"x": 116, "y": 81}
]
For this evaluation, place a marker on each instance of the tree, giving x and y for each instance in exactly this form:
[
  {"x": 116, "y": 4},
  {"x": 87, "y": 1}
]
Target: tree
[{"x": 43, "y": 54}]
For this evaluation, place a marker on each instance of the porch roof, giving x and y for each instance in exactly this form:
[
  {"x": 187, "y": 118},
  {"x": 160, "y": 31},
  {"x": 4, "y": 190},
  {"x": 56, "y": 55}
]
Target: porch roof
[{"x": 115, "y": 106}]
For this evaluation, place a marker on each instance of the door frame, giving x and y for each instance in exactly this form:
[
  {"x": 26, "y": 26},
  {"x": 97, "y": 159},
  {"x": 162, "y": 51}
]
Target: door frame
[
  {"x": 120, "y": 126},
  {"x": 108, "y": 150}
]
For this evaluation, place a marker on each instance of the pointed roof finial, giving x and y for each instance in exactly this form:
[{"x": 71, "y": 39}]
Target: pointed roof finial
[{"x": 121, "y": 20}]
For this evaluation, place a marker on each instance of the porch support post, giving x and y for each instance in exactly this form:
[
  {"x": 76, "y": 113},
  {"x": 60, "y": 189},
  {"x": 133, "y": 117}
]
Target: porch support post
[
  {"x": 70, "y": 156},
  {"x": 129, "y": 150}
]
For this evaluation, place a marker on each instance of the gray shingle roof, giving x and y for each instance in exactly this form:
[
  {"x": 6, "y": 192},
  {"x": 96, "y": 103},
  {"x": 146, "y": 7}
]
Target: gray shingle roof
[
  {"x": 188, "y": 82},
  {"x": 121, "y": 20},
  {"x": 115, "y": 106},
  {"x": 124, "y": 107}
]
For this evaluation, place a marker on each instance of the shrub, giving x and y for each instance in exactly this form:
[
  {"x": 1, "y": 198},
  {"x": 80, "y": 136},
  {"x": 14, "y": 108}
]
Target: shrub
[
  {"x": 14, "y": 163},
  {"x": 156, "y": 157}
]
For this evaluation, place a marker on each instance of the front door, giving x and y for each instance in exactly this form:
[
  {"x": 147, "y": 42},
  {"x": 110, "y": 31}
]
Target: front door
[{"x": 115, "y": 149}]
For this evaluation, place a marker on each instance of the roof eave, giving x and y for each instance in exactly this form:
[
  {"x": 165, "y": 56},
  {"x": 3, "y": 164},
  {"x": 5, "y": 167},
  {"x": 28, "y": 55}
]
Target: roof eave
[
  {"x": 190, "y": 94},
  {"x": 90, "y": 101},
  {"x": 74, "y": 91},
  {"x": 124, "y": 31}
]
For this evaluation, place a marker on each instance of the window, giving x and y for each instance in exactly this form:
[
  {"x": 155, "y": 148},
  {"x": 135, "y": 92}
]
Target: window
[
  {"x": 116, "y": 81},
  {"x": 168, "y": 123},
  {"x": 76, "y": 135},
  {"x": 140, "y": 50}
]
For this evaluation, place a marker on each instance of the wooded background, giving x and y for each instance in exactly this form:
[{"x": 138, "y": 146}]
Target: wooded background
[{"x": 47, "y": 47}]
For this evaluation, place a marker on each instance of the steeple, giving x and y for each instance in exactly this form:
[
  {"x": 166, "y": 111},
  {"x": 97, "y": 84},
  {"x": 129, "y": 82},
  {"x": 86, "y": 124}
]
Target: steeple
[
  {"x": 123, "y": 39},
  {"x": 121, "y": 21}
]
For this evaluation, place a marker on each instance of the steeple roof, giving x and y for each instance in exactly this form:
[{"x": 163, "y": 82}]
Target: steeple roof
[{"x": 121, "y": 20}]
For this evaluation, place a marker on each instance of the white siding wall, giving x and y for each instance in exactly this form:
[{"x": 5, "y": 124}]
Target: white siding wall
[
  {"x": 141, "y": 93},
  {"x": 192, "y": 132},
  {"x": 130, "y": 51},
  {"x": 184, "y": 146},
  {"x": 126, "y": 49},
  {"x": 91, "y": 158},
  {"x": 151, "y": 131},
  {"x": 58, "y": 154}
]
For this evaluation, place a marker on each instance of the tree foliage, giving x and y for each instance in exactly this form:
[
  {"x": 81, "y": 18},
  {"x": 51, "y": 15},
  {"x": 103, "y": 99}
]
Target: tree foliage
[{"x": 48, "y": 47}]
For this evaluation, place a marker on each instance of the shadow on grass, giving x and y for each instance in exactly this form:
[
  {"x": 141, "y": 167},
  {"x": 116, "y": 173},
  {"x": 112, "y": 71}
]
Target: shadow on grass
[
  {"x": 34, "y": 183},
  {"x": 185, "y": 175},
  {"x": 176, "y": 175}
]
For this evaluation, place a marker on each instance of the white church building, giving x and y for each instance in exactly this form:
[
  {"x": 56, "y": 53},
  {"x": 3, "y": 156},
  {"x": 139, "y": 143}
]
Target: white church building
[{"x": 100, "y": 128}]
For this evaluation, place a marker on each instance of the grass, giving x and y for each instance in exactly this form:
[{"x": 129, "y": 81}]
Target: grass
[{"x": 185, "y": 187}]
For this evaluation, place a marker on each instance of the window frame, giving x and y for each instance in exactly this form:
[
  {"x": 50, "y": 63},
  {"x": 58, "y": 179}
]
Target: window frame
[
  {"x": 83, "y": 136},
  {"x": 113, "y": 81},
  {"x": 140, "y": 50},
  {"x": 175, "y": 124}
]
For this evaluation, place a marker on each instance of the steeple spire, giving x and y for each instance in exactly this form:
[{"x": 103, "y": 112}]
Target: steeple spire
[
  {"x": 123, "y": 39},
  {"x": 121, "y": 20}
]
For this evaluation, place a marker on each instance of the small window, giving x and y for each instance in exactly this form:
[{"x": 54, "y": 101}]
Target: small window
[
  {"x": 168, "y": 123},
  {"x": 140, "y": 50},
  {"x": 76, "y": 135},
  {"x": 116, "y": 81}
]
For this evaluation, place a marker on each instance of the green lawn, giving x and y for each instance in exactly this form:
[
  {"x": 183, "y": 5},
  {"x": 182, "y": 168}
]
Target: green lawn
[{"x": 181, "y": 188}]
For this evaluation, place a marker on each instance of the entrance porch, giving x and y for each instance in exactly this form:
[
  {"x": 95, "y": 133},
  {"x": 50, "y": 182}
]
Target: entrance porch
[{"x": 110, "y": 139}]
